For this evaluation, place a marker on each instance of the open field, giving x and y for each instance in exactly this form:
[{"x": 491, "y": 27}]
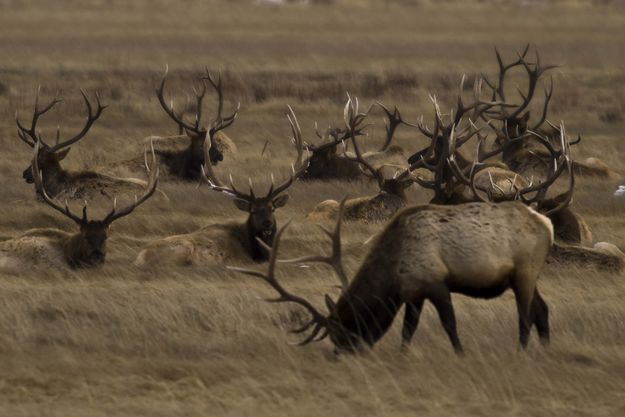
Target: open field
[{"x": 117, "y": 340}]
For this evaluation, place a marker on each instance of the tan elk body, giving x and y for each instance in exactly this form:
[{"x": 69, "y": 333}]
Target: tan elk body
[{"x": 426, "y": 253}]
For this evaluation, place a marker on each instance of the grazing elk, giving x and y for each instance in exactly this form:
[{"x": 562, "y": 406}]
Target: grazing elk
[
  {"x": 425, "y": 253},
  {"x": 514, "y": 120},
  {"x": 392, "y": 191},
  {"x": 56, "y": 180},
  {"x": 187, "y": 163},
  {"x": 327, "y": 162},
  {"x": 218, "y": 242},
  {"x": 57, "y": 248}
]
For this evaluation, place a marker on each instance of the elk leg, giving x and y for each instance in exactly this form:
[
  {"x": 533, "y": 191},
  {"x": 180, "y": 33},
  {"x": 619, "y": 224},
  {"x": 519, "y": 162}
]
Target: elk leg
[
  {"x": 411, "y": 321},
  {"x": 442, "y": 302},
  {"x": 540, "y": 317},
  {"x": 524, "y": 295}
]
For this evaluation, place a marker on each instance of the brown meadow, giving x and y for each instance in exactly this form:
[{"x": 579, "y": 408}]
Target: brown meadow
[{"x": 119, "y": 340}]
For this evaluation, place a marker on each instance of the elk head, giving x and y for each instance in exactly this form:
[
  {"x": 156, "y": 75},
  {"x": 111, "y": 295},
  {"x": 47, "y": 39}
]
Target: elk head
[
  {"x": 49, "y": 157},
  {"x": 261, "y": 222},
  {"x": 88, "y": 246},
  {"x": 197, "y": 134},
  {"x": 396, "y": 185}
]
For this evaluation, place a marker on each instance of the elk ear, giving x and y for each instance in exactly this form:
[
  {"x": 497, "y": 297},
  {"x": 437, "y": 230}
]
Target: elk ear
[
  {"x": 60, "y": 155},
  {"x": 331, "y": 305},
  {"x": 242, "y": 204},
  {"x": 280, "y": 200}
]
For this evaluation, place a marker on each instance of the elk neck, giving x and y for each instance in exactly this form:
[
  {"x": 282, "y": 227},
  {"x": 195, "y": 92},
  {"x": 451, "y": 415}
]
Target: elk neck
[{"x": 370, "y": 303}]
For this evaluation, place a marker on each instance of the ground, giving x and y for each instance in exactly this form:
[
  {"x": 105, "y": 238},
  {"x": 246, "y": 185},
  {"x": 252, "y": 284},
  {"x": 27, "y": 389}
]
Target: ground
[{"x": 198, "y": 341}]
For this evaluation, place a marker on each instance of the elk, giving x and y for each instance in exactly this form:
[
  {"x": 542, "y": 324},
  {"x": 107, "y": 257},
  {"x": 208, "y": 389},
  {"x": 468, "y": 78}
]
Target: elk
[
  {"x": 218, "y": 242},
  {"x": 187, "y": 163},
  {"x": 522, "y": 156},
  {"x": 392, "y": 191},
  {"x": 327, "y": 162},
  {"x": 57, "y": 248},
  {"x": 424, "y": 253},
  {"x": 57, "y": 180}
]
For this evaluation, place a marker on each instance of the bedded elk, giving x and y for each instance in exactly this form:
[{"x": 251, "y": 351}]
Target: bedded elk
[
  {"x": 57, "y": 248},
  {"x": 425, "y": 253},
  {"x": 391, "y": 196},
  {"x": 514, "y": 120},
  {"x": 57, "y": 180},
  {"x": 185, "y": 161},
  {"x": 218, "y": 242},
  {"x": 329, "y": 159}
]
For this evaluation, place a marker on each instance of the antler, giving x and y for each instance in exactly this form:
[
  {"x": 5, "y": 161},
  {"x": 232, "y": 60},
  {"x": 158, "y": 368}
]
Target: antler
[
  {"x": 31, "y": 132},
  {"x": 220, "y": 122},
  {"x": 534, "y": 72},
  {"x": 153, "y": 173},
  {"x": 333, "y": 260},
  {"x": 297, "y": 168},
  {"x": 318, "y": 321}
]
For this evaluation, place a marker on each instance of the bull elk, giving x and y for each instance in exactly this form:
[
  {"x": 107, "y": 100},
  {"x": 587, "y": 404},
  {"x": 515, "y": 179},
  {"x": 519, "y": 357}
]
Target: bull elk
[
  {"x": 56, "y": 180},
  {"x": 391, "y": 196},
  {"x": 327, "y": 162},
  {"x": 57, "y": 248},
  {"x": 187, "y": 163},
  {"x": 218, "y": 242},
  {"x": 514, "y": 120},
  {"x": 425, "y": 253}
]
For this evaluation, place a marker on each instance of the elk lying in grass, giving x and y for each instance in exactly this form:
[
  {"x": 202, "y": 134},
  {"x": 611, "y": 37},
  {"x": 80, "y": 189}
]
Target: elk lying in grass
[
  {"x": 427, "y": 253},
  {"x": 187, "y": 164},
  {"x": 522, "y": 156},
  {"x": 57, "y": 248},
  {"x": 392, "y": 191},
  {"x": 327, "y": 162},
  {"x": 218, "y": 242},
  {"x": 58, "y": 181}
]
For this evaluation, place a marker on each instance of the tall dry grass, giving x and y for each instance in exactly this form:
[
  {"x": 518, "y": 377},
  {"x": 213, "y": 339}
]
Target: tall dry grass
[{"x": 197, "y": 341}]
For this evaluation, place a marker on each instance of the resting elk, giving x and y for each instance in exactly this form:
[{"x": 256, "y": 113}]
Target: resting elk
[
  {"x": 58, "y": 181},
  {"x": 186, "y": 164},
  {"x": 514, "y": 120},
  {"x": 218, "y": 242},
  {"x": 425, "y": 253},
  {"x": 392, "y": 191},
  {"x": 57, "y": 248},
  {"x": 328, "y": 162}
]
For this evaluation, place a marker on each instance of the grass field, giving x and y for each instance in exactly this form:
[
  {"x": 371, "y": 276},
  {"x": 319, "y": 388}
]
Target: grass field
[{"x": 117, "y": 340}]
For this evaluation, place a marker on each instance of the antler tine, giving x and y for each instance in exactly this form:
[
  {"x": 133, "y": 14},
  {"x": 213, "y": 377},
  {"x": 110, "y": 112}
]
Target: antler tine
[
  {"x": 91, "y": 118},
  {"x": 334, "y": 260},
  {"x": 42, "y": 191},
  {"x": 299, "y": 167},
  {"x": 283, "y": 295},
  {"x": 567, "y": 196},
  {"x": 453, "y": 164},
  {"x": 209, "y": 177},
  {"x": 179, "y": 119},
  {"x": 547, "y": 100},
  {"x": 153, "y": 174}
]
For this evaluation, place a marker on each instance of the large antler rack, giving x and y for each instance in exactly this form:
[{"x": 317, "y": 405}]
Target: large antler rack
[
  {"x": 218, "y": 123},
  {"x": 298, "y": 168},
  {"x": 31, "y": 135}
]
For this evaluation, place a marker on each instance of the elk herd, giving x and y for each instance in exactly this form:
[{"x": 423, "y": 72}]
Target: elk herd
[{"x": 501, "y": 181}]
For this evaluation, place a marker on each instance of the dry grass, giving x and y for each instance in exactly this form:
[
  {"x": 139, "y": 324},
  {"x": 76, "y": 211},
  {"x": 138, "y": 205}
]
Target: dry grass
[{"x": 119, "y": 341}]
